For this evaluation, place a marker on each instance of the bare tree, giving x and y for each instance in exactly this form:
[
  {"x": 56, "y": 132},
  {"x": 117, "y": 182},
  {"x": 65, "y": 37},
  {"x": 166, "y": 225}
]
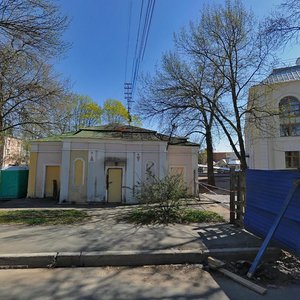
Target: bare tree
[
  {"x": 284, "y": 23},
  {"x": 29, "y": 93},
  {"x": 32, "y": 26},
  {"x": 230, "y": 40},
  {"x": 178, "y": 97},
  {"x": 30, "y": 31}
]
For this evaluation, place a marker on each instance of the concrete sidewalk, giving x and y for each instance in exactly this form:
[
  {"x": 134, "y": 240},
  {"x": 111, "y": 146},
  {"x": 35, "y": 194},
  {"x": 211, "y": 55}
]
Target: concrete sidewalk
[{"x": 105, "y": 241}]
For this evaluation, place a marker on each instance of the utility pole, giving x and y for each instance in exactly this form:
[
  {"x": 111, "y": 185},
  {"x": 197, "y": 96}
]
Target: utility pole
[{"x": 128, "y": 98}]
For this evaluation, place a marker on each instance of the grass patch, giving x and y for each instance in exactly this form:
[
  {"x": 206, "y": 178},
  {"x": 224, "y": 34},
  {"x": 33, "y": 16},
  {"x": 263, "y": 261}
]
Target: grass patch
[
  {"x": 151, "y": 216},
  {"x": 201, "y": 216},
  {"x": 43, "y": 217},
  {"x": 140, "y": 216}
]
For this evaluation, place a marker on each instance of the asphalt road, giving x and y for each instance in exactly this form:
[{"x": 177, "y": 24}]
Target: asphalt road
[{"x": 151, "y": 282}]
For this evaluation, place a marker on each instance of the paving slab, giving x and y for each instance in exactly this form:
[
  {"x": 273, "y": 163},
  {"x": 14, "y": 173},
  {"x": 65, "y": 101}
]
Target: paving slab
[{"x": 104, "y": 233}]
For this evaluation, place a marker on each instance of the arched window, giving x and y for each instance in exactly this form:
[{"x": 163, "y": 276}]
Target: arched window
[
  {"x": 289, "y": 115},
  {"x": 78, "y": 172}
]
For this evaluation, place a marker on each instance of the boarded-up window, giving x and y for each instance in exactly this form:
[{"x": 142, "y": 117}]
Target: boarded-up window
[{"x": 78, "y": 172}]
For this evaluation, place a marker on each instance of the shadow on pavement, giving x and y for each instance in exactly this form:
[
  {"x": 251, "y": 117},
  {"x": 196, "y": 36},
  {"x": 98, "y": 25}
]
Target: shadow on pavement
[
  {"x": 154, "y": 282},
  {"x": 226, "y": 236}
]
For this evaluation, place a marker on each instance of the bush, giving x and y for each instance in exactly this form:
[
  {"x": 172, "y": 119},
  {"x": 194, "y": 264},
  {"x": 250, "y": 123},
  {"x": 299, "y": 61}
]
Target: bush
[{"x": 163, "y": 197}]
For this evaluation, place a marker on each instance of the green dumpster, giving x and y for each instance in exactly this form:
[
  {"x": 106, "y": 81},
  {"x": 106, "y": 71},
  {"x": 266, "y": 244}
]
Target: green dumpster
[{"x": 13, "y": 182}]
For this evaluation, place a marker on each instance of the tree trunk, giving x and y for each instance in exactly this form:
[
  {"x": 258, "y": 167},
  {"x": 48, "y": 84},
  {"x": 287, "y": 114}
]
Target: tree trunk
[
  {"x": 243, "y": 162},
  {"x": 210, "y": 160},
  {"x": 2, "y": 140}
]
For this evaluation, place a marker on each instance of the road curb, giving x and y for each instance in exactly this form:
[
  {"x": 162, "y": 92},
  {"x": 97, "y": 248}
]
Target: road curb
[{"x": 127, "y": 258}]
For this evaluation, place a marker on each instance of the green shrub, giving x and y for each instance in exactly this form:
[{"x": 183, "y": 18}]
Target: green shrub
[
  {"x": 201, "y": 216},
  {"x": 162, "y": 197},
  {"x": 140, "y": 216},
  {"x": 147, "y": 216}
]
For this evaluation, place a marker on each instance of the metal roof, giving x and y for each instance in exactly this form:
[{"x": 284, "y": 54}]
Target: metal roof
[
  {"x": 284, "y": 74},
  {"x": 120, "y": 132}
]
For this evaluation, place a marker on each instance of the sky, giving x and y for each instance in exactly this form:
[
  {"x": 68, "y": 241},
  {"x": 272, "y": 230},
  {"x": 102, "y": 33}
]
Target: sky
[{"x": 98, "y": 33}]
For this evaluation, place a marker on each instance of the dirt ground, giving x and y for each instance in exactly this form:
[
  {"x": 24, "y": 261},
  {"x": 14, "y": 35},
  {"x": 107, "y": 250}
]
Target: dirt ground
[{"x": 284, "y": 271}]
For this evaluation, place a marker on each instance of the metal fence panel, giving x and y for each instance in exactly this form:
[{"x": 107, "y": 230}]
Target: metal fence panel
[{"x": 266, "y": 191}]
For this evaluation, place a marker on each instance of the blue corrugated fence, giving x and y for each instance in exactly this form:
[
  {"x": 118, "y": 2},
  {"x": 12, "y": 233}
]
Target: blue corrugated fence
[{"x": 266, "y": 192}]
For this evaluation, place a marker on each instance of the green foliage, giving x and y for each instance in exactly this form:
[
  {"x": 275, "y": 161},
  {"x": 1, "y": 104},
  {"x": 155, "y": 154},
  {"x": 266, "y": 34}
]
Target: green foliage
[
  {"x": 201, "y": 216},
  {"x": 141, "y": 216},
  {"x": 86, "y": 112},
  {"x": 115, "y": 112},
  {"x": 42, "y": 217},
  {"x": 144, "y": 216}
]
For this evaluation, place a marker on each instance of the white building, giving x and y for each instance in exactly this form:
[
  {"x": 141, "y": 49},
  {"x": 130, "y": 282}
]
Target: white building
[
  {"x": 272, "y": 130},
  {"x": 106, "y": 163}
]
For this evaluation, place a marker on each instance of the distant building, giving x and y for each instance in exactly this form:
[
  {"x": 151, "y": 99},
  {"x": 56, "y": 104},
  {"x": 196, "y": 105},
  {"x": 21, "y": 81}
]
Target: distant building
[
  {"x": 226, "y": 159},
  {"x": 13, "y": 152},
  {"x": 272, "y": 131}
]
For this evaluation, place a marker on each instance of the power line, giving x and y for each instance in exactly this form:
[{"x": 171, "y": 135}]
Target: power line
[
  {"x": 128, "y": 38},
  {"x": 151, "y": 14},
  {"x": 140, "y": 48},
  {"x": 143, "y": 42}
]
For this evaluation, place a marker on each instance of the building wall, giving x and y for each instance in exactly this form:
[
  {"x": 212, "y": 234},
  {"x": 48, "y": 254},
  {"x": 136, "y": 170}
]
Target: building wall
[
  {"x": 78, "y": 193},
  {"x": 264, "y": 145},
  {"x": 97, "y": 156},
  {"x": 187, "y": 157},
  {"x": 48, "y": 154},
  {"x": 32, "y": 174}
]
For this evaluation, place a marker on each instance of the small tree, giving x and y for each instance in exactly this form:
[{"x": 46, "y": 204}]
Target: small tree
[{"x": 163, "y": 197}]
